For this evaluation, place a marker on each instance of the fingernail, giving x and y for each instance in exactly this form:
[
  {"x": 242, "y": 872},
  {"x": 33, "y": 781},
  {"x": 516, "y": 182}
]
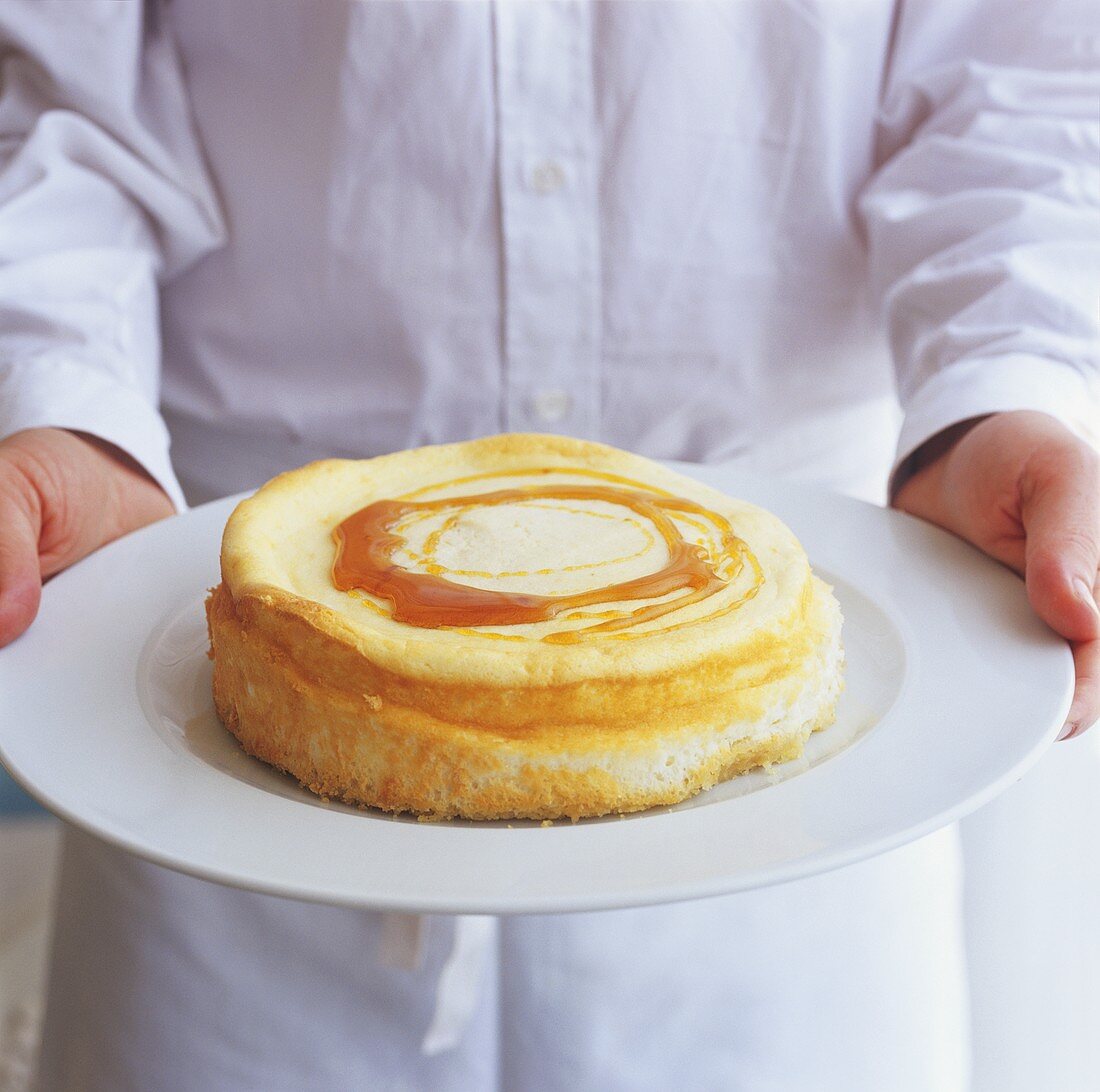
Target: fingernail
[
  {"x": 1068, "y": 729},
  {"x": 1084, "y": 593}
]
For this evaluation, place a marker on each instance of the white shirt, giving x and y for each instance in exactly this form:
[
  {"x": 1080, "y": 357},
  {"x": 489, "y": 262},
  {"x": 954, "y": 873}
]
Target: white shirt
[
  {"x": 680, "y": 228},
  {"x": 700, "y": 231}
]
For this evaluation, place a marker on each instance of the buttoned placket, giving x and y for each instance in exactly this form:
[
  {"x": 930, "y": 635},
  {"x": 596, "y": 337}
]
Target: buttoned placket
[
  {"x": 547, "y": 172},
  {"x": 549, "y": 227}
]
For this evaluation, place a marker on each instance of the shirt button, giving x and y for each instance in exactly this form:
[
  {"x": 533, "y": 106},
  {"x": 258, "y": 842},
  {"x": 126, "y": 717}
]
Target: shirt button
[
  {"x": 552, "y": 404},
  {"x": 547, "y": 177}
]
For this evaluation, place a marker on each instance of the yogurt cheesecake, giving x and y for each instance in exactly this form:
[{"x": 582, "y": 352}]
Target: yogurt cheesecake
[{"x": 523, "y": 626}]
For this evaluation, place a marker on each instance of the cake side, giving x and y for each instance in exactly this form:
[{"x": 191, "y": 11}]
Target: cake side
[{"x": 366, "y": 748}]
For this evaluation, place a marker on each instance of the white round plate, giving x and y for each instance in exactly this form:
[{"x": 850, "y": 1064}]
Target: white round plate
[{"x": 954, "y": 689}]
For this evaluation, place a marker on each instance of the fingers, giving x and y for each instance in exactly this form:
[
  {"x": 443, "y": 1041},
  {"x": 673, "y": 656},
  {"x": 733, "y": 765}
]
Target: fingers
[
  {"x": 61, "y": 497},
  {"x": 1085, "y": 710},
  {"x": 1060, "y": 509},
  {"x": 20, "y": 579},
  {"x": 1022, "y": 488}
]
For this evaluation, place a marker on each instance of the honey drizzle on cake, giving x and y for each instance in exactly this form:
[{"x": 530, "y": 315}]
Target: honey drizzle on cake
[{"x": 366, "y": 542}]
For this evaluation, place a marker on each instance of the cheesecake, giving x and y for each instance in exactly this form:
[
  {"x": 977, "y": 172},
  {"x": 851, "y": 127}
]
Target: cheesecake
[{"x": 521, "y": 626}]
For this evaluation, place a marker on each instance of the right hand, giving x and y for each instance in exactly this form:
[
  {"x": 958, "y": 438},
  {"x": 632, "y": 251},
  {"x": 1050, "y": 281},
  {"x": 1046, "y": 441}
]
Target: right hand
[{"x": 62, "y": 495}]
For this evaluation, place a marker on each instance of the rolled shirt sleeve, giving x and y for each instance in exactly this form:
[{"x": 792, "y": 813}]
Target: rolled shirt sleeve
[
  {"x": 983, "y": 217},
  {"x": 103, "y": 192}
]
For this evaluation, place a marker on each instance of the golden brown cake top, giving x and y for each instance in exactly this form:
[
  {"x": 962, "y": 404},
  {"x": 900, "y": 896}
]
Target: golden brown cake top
[{"x": 521, "y": 557}]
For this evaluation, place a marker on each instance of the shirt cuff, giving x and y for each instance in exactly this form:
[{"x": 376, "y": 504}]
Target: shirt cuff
[
  {"x": 64, "y": 394},
  {"x": 977, "y": 387}
]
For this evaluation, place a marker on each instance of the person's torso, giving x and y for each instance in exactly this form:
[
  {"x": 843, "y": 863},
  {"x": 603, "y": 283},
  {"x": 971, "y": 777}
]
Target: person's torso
[{"x": 627, "y": 222}]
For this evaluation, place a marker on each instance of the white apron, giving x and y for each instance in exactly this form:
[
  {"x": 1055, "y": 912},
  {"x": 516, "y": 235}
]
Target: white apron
[{"x": 851, "y": 980}]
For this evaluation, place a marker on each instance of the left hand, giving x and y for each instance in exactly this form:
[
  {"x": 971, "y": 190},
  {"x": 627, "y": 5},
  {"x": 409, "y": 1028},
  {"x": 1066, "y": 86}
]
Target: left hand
[{"x": 1024, "y": 489}]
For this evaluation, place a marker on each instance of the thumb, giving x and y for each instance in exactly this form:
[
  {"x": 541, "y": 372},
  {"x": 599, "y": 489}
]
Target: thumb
[
  {"x": 1060, "y": 511},
  {"x": 20, "y": 577}
]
